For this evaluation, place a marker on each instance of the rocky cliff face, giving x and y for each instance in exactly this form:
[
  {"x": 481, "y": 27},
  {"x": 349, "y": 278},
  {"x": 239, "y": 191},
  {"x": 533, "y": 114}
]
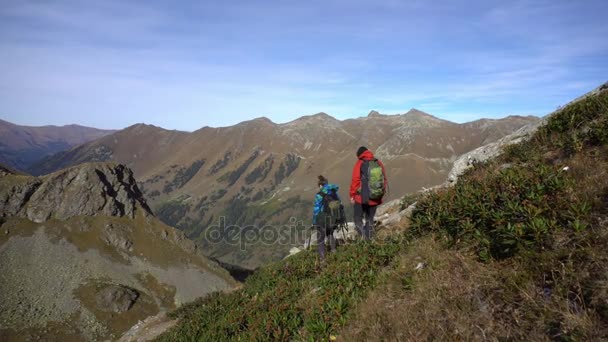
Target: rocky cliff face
[
  {"x": 89, "y": 190},
  {"x": 83, "y": 258}
]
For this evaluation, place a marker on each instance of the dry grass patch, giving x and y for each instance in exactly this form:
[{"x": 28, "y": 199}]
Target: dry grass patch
[
  {"x": 441, "y": 300},
  {"x": 439, "y": 294}
]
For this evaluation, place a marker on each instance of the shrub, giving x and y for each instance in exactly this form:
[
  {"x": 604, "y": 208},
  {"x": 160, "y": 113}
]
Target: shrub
[{"x": 500, "y": 211}]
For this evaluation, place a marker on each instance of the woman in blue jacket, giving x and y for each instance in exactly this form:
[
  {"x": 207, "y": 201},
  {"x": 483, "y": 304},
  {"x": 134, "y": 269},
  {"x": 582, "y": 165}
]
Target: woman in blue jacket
[{"x": 322, "y": 218}]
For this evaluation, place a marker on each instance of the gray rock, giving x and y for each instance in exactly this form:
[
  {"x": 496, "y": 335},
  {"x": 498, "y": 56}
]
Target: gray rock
[
  {"x": 506, "y": 166},
  {"x": 491, "y": 150},
  {"x": 84, "y": 190},
  {"x": 388, "y": 207},
  {"x": 395, "y": 218},
  {"x": 118, "y": 237},
  {"x": 116, "y": 298}
]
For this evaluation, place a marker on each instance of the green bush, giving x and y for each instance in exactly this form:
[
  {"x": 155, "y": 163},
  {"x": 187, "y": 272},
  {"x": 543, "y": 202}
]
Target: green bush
[{"x": 502, "y": 210}]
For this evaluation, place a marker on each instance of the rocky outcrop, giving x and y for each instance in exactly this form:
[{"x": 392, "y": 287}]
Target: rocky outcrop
[
  {"x": 83, "y": 256},
  {"x": 116, "y": 298},
  {"x": 118, "y": 237},
  {"x": 84, "y": 190},
  {"x": 493, "y": 149},
  {"x": 395, "y": 218}
]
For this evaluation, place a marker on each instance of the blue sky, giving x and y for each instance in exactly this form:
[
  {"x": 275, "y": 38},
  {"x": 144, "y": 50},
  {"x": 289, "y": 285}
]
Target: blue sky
[{"x": 188, "y": 64}]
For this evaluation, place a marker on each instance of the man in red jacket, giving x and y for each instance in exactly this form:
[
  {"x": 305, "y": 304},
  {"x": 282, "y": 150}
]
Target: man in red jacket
[{"x": 365, "y": 207}]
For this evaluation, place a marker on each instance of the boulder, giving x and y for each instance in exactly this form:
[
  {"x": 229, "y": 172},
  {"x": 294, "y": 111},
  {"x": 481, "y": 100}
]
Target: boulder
[
  {"x": 118, "y": 237},
  {"x": 395, "y": 218},
  {"x": 492, "y": 150},
  {"x": 116, "y": 298},
  {"x": 388, "y": 207}
]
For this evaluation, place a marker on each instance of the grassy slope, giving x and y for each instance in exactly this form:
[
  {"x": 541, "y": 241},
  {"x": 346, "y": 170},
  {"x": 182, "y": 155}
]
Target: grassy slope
[{"x": 516, "y": 250}]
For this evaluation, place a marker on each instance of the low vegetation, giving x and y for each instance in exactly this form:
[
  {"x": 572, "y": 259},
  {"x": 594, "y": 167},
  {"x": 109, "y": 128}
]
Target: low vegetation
[
  {"x": 410, "y": 199},
  {"x": 220, "y": 163},
  {"x": 172, "y": 212},
  {"x": 259, "y": 173},
  {"x": 289, "y": 165},
  {"x": 295, "y": 299},
  {"x": 516, "y": 250},
  {"x": 233, "y": 176},
  {"x": 183, "y": 176}
]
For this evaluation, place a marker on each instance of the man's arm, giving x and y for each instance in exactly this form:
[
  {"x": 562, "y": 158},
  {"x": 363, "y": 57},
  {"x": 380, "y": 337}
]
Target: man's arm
[{"x": 355, "y": 183}]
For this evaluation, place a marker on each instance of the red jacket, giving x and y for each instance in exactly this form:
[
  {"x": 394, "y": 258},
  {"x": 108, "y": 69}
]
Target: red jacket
[{"x": 355, "y": 184}]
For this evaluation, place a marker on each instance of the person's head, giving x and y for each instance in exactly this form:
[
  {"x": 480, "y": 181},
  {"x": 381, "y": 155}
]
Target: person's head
[
  {"x": 361, "y": 150},
  {"x": 322, "y": 181}
]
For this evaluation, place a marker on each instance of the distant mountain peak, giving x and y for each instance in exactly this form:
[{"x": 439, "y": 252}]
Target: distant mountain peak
[
  {"x": 414, "y": 111},
  {"x": 264, "y": 119},
  {"x": 142, "y": 125},
  {"x": 320, "y": 117},
  {"x": 373, "y": 113},
  {"x": 257, "y": 121},
  {"x": 24, "y": 146}
]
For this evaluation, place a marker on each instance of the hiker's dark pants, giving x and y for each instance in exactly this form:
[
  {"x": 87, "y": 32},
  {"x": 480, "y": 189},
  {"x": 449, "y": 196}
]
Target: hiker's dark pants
[
  {"x": 325, "y": 231},
  {"x": 367, "y": 212}
]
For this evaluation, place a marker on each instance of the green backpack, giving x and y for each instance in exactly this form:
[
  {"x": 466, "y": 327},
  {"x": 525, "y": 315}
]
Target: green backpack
[{"x": 375, "y": 178}]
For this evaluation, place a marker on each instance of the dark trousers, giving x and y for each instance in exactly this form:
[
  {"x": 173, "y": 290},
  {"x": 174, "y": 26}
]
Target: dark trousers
[
  {"x": 325, "y": 231},
  {"x": 367, "y": 212}
]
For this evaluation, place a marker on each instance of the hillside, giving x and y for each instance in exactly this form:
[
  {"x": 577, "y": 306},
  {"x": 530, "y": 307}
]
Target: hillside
[
  {"x": 515, "y": 250},
  {"x": 23, "y": 146},
  {"x": 83, "y": 258},
  {"x": 262, "y": 174}
]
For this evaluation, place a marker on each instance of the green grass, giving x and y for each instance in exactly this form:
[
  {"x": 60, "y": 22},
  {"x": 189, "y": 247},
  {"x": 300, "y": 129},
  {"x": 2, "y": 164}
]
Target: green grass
[{"x": 293, "y": 299}]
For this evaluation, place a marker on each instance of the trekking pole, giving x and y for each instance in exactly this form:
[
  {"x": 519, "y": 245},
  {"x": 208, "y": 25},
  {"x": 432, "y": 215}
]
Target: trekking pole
[{"x": 309, "y": 238}]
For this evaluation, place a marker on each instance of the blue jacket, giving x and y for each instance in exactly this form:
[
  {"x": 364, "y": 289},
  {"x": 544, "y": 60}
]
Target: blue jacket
[{"x": 319, "y": 200}]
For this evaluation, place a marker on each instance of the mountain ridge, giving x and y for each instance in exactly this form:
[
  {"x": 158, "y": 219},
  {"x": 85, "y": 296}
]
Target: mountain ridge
[
  {"x": 23, "y": 146},
  {"x": 259, "y": 172}
]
